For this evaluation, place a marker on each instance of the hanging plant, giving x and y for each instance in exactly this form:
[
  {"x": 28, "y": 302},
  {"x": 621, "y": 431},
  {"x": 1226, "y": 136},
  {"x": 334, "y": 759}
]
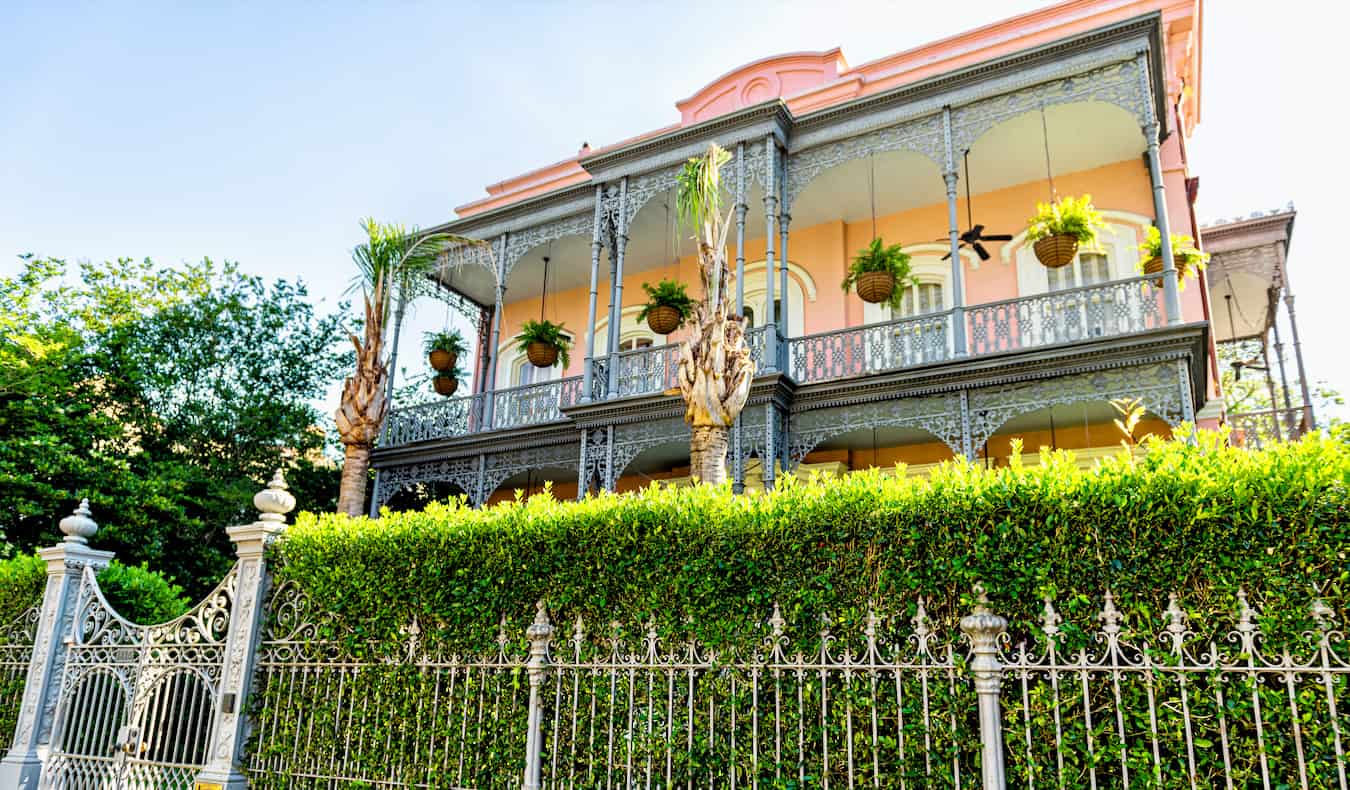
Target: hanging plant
[
  {"x": 668, "y": 306},
  {"x": 879, "y": 272},
  {"x": 446, "y": 382},
  {"x": 443, "y": 349},
  {"x": 1187, "y": 258},
  {"x": 1058, "y": 229},
  {"x": 544, "y": 343}
]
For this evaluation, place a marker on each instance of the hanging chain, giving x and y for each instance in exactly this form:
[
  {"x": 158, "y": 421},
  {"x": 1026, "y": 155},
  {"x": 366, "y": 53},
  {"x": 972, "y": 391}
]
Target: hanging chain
[
  {"x": 872, "y": 190},
  {"x": 543, "y": 294},
  {"x": 1045, "y": 135}
]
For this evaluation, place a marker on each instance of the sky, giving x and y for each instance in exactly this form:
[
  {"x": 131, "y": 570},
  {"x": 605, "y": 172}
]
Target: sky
[{"x": 263, "y": 132}]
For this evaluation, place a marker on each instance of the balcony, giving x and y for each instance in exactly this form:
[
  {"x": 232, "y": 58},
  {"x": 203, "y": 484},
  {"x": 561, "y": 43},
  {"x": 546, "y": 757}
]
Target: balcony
[
  {"x": 1117, "y": 308},
  {"x": 1258, "y": 429}
]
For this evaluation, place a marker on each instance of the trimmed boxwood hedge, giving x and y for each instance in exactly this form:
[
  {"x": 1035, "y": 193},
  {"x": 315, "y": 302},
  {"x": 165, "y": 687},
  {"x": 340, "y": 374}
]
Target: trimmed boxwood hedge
[
  {"x": 1202, "y": 519},
  {"x": 136, "y": 592}
]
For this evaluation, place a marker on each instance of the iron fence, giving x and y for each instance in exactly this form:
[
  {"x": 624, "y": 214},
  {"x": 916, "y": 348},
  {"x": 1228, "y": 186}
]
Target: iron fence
[
  {"x": 16, "y": 649},
  {"x": 1258, "y": 429}
]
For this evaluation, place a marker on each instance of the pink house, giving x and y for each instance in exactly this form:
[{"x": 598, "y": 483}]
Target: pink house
[{"x": 986, "y": 346}]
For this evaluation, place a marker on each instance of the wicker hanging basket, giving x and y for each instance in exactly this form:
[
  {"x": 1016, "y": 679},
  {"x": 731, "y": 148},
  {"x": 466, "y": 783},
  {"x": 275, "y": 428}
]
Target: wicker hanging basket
[
  {"x": 445, "y": 385},
  {"x": 442, "y": 360},
  {"x": 542, "y": 355},
  {"x": 875, "y": 287},
  {"x": 1056, "y": 251},
  {"x": 663, "y": 319},
  {"x": 1154, "y": 265}
]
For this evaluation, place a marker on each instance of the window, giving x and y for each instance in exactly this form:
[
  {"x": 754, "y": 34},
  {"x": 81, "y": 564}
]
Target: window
[
  {"x": 1090, "y": 268},
  {"x": 927, "y": 295},
  {"x": 634, "y": 343},
  {"x": 749, "y": 312},
  {"x": 523, "y": 372}
]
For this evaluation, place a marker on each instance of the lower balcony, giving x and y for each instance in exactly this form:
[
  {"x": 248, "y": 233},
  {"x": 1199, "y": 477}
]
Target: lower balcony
[
  {"x": 1119, "y": 308},
  {"x": 1257, "y": 429}
]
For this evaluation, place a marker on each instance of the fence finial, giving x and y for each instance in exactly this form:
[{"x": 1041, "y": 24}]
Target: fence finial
[
  {"x": 79, "y": 527},
  {"x": 274, "y": 502},
  {"x": 983, "y": 628},
  {"x": 1323, "y": 614}
]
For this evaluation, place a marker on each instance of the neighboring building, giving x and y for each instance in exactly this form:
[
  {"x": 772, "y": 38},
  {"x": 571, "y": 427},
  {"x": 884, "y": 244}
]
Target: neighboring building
[
  {"x": 1087, "y": 96},
  {"x": 1248, "y": 278}
]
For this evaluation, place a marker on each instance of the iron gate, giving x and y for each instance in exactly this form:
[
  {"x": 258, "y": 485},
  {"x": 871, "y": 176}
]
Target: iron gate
[{"x": 136, "y": 702}]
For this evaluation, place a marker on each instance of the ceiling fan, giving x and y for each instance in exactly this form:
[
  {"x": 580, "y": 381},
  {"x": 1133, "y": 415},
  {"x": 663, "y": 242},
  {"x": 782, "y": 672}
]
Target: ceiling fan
[{"x": 975, "y": 234}]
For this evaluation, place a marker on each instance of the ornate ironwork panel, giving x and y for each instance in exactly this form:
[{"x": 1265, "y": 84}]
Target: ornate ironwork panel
[
  {"x": 1117, "y": 84},
  {"x": 520, "y": 242},
  {"x": 875, "y": 348},
  {"x": 136, "y": 702},
  {"x": 632, "y": 439},
  {"x": 1173, "y": 707},
  {"x": 534, "y": 404},
  {"x": 1116, "y": 308},
  {"x": 649, "y": 371},
  {"x": 940, "y": 415},
  {"x": 1154, "y": 384},
  {"x": 16, "y": 649},
  {"x": 1258, "y": 429},
  {"x": 462, "y": 472},
  {"x": 921, "y": 135},
  {"x": 599, "y": 378},
  {"x": 338, "y": 712},
  {"x": 502, "y": 465},
  {"x": 440, "y": 419}
]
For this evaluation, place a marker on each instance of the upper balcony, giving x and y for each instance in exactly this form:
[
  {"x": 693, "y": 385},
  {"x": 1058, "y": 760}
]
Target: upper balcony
[{"x": 1072, "y": 315}]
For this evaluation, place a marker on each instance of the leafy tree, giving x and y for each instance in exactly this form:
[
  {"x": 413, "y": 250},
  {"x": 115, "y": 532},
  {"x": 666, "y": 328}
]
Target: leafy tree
[{"x": 165, "y": 395}]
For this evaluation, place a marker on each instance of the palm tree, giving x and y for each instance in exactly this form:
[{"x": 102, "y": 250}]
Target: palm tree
[
  {"x": 394, "y": 266},
  {"x": 715, "y": 366}
]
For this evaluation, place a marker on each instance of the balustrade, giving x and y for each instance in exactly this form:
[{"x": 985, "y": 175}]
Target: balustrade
[{"x": 1072, "y": 315}]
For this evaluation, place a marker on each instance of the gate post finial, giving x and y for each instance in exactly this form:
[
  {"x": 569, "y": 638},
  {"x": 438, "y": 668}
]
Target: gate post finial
[
  {"x": 540, "y": 633},
  {"x": 983, "y": 628}
]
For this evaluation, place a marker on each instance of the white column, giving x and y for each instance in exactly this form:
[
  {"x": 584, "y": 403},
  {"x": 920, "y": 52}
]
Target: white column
[
  {"x": 616, "y": 290},
  {"x": 738, "y": 437},
  {"x": 588, "y": 373},
  {"x": 490, "y": 390},
  {"x": 225, "y": 750},
  {"x": 22, "y": 767},
  {"x": 784, "y": 218},
  {"x": 1171, "y": 295},
  {"x": 950, "y": 177},
  {"x": 539, "y": 633},
  {"x": 770, "y": 217}
]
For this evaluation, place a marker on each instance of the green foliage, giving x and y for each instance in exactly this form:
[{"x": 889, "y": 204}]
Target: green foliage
[
  {"x": 548, "y": 333},
  {"x": 449, "y": 340},
  {"x": 667, "y": 293},
  {"x": 1203, "y": 519},
  {"x": 404, "y": 261},
  {"x": 136, "y": 592},
  {"x": 698, "y": 196},
  {"x": 881, "y": 257},
  {"x": 1070, "y": 216},
  {"x": 163, "y": 394}
]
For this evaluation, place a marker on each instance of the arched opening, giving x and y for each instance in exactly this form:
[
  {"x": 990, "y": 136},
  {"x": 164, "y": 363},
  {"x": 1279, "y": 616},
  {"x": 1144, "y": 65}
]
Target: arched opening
[
  {"x": 561, "y": 481},
  {"x": 175, "y": 720},
  {"x": 560, "y": 300},
  {"x": 416, "y": 496},
  {"x": 1086, "y": 428},
  {"x": 883, "y": 447},
  {"x": 80, "y": 733},
  {"x": 664, "y": 464}
]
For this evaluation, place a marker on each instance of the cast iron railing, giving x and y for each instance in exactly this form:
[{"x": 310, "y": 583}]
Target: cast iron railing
[
  {"x": 1257, "y": 429},
  {"x": 1116, "y": 308}
]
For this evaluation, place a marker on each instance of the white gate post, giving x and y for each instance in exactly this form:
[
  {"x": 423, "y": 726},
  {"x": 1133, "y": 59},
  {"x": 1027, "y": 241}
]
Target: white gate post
[
  {"x": 229, "y": 728},
  {"x": 66, "y": 561},
  {"x": 983, "y": 628},
  {"x": 539, "y": 633}
]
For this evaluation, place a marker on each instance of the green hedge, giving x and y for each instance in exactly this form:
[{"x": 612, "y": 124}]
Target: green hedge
[
  {"x": 1201, "y": 519},
  {"x": 136, "y": 592}
]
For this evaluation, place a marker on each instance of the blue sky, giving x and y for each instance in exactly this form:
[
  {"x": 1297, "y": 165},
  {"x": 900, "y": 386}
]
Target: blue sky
[{"x": 261, "y": 133}]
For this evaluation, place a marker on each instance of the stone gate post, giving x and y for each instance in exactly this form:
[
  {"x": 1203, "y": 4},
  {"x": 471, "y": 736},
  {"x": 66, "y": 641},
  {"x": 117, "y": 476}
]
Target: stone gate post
[
  {"x": 223, "y": 769},
  {"x": 66, "y": 561}
]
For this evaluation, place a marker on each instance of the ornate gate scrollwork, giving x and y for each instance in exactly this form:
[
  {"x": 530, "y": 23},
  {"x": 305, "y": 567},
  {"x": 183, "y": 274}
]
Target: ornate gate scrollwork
[{"x": 136, "y": 702}]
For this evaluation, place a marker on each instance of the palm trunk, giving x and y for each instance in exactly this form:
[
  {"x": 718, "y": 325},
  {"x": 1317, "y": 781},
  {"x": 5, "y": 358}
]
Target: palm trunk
[
  {"x": 352, "y": 489},
  {"x": 708, "y": 453}
]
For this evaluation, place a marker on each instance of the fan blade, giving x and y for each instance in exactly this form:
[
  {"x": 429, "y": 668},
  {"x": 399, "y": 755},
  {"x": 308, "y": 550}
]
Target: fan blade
[
  {"x": 947, "y": 257},
  {"x": 997, "y": 237},
  {"x": 980, "y": 251}
]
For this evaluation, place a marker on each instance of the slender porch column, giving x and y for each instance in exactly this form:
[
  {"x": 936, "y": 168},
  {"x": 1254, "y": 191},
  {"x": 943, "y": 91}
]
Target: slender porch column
[
  {"x": 1279, "y": 349},
  {"x": 950, "y": 178},
  {"x": 491, "y": 386},
  {"x": 588, "y": 373},
  {"x": 1298, "y": 347},
  {"x": 737, "y": 437},
  {"x": 770, "y": 217},
  {"x": 785, "y": 219},
  {"x": 1151, "y": 128},
  {"x": 620, "y": 237},
  {"x": 22, "y": 767},
  {"x": 230, "y": 726}
]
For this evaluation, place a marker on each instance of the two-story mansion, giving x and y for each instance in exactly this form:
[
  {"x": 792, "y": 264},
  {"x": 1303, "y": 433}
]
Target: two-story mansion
[{"x": 1084, "y": 97}]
